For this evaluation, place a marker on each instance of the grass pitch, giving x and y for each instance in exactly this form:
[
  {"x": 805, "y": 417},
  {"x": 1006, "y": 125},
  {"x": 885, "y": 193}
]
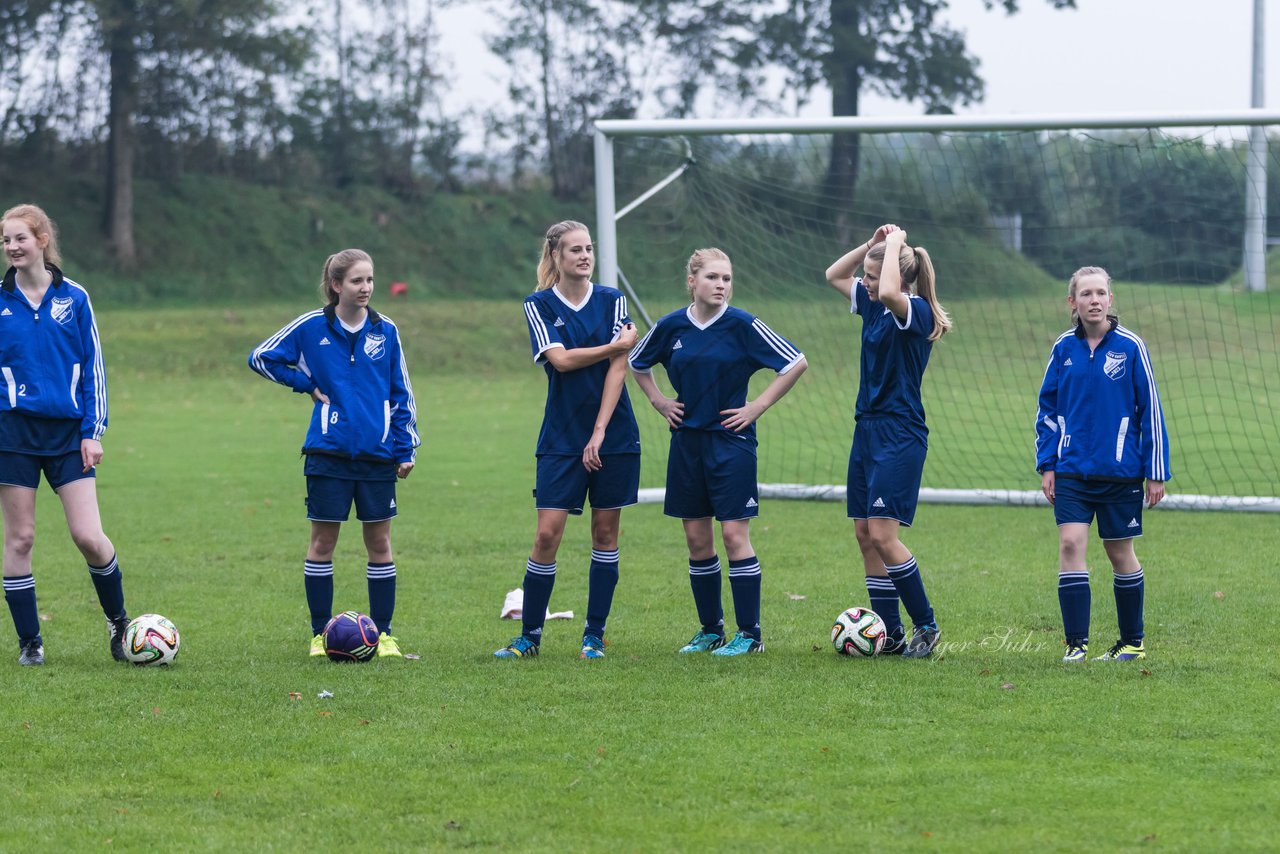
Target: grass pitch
[{"x": 992, "y": 745}]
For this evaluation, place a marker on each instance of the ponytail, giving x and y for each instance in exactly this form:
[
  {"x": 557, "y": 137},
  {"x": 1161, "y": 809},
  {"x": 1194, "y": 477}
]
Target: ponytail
[
  {"x": 548, "y": 272},
  {"x": 916, "y": 269},
  {"x": 335, "y": 270},
  {"x": 42, "y": 228}
]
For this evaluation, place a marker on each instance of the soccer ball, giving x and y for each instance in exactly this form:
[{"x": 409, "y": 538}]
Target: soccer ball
[
  {"x": 859, "y": 631},
  {"x": 151, "y": 639},
  {"x": 351, "y": 636}
]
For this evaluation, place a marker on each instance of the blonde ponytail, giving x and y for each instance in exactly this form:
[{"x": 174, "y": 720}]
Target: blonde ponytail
[
  {"x": 916, "y": 269},
  {"x": 548, "y": 273}
]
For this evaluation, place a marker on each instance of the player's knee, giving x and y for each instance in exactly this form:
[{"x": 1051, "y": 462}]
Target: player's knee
[{"x": 20, "y": 543}]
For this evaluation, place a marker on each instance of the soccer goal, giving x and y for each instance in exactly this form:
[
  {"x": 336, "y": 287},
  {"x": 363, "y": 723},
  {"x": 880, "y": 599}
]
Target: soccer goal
[{"x": 1174, "y": 206}]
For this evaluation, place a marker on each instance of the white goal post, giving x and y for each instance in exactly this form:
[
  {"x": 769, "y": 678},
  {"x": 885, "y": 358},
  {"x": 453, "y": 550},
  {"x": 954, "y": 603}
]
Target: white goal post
[{"x": 1254, "y": 238}]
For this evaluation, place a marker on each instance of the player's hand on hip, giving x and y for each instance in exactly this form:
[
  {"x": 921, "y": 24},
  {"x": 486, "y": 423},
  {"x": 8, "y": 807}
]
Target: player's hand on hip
[
  {"x": 741, "y": 418},
  {"x": 319, "y": 397},
  {"x": 670, "y": 409},
  {"x": 90, "y": 453}
]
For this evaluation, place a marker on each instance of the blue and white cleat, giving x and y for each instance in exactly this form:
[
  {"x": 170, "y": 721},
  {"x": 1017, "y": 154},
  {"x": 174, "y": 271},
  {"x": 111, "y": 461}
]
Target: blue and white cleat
[
  {"x": 704, "y": 642},
  {"x": 520, "y": 647},
  {"x": 592, "y": 647},
  {"x": 922, "y": 641},
  {"x": 740, "y": 645}
]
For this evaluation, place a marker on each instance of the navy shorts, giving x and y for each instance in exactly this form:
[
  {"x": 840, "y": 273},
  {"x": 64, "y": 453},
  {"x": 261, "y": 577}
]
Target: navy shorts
[
  {"x": 1118, "y": 506},
  {"x": 24, "y": 469},
  {"x": 712, "y": 473},
  {"x": 329, "y": 499},
  {"x": 885, "y": 466},
  {"x": 564, "y": 483}
]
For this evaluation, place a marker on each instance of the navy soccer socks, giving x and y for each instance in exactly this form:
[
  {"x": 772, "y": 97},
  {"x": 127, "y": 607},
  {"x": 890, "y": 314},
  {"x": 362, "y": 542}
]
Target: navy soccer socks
[
  {"x": 1074, "y": 598},
  {"x": 884, "y": 601},
  {"x": 910, "y": 586},
  {"x": 704, "y": 579},
  {"x": 109, "y": 584},
  {"x": 539, "y": 580},
  {"x": 601, "y": 582},
  {"x": 20, "y": 594},
  {"x": 1129, "y": 591},
  {"x": 318, "y": 580},
  {"x": 382, "y": 594},
  {"x": 744, "y": 581}
]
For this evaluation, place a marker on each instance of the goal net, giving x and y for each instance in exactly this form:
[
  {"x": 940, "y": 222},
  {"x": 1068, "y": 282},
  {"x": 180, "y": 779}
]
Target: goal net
[{"x": 1007, "y": 214}]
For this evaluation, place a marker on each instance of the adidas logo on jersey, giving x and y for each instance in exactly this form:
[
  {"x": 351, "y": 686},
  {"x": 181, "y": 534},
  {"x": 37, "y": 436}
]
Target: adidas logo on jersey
[
  {"x": 6, "y": 313},
  {"x": 879, "y": 502},
  {"x": 1133, "y": 523},
  {"x": 677, "y": 345},
  {"x": 558, "y": 322},
  {"x": 324, "y": 341},
  {"x": 751, "y": 502},
  {"x": 1067, "y": 363}
]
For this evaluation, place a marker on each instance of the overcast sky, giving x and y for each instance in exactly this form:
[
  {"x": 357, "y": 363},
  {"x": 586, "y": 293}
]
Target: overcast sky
[{"x": 1106, "y": 56}]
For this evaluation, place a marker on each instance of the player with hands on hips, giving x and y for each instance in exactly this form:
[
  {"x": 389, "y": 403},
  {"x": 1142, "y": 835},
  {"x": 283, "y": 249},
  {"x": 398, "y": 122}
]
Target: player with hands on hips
[
  {"x": 363, "y": 433},
  {"x": 896, "y": 297},
  {"x": 589, "y": 446},
  {"x": 710, "y": 351},
  {"x": 52, "y": 419},
  {"x": 1099, "y": 435}
]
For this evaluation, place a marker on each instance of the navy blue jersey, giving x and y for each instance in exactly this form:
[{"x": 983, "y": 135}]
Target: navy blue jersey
[
  {"x": 55, "y": 384},
  {"x": 709, "y": 364},
  {"x": 894, "y": 356},
  {"x": 1100, "y": 413},
  {"x": 573, "y": 397},
  {"x": 371, "y": 414}
]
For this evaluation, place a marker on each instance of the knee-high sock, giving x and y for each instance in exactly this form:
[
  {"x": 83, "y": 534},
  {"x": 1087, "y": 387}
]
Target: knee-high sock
[
  {"x": 704, "y": 579},
  {"x": 110, "y": 586},
  {"x": 317, "y": 577},
  {"x": 539, "y": 579},
  {"x": 744, "y": 581},
  {"x": 884, "y": 601},
  {"x": 20, "y": 593},
  {"x": 601, "y": 582},
  {"x": 1074, "y": 600},
  {"x": 1129, "y": 591},
  {"x": 910, "y": 587},
  {"x": 382, "y": 594}
]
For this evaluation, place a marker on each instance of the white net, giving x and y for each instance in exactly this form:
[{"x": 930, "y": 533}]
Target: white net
[{"x": 1006, "y": 217}]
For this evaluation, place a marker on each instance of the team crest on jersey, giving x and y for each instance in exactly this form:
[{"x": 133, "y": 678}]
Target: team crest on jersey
[
  {"x": 1114, "y": 365},
  {"x": 375, "y": 346},
  {"x": 61, "y": 309}
]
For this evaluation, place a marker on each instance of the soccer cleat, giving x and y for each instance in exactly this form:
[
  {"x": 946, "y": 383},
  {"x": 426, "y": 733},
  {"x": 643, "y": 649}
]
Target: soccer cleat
[
  {"x": 895, "y": 643},
  {"x": 388, "y": 647},
  {"x": 592, "y": 647},
  {"x": 115, "y": 635},
  {"x": 1123, "y": 652},
  {"x": 740, "y": 645},
  {"x": 1076, "y": 651},
  {"x": 32, "y": 653},
  {"x": 704, "y": 642},
  {"x": 317, "y": 646},
  {"x": 520, "y": 647},
  {"x": 923, "y": 640}
]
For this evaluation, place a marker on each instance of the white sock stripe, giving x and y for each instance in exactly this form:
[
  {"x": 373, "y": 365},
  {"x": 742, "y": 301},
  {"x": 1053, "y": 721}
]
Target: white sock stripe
[
  {"x": 104, "y": 570},
  {"x": 605, "y": 557},
  {"x": 542, "y": 568},
  {"x": 380, "y": 571},
  {"x": 1131, "y": 580},
  {"x": 317, "y": 569},
  {"x": 21, "y": 582},
  {"x": 750, "y": 569},
  {"x": 886, "y": 583},
  {"x": 901, "y": 567},
  {"x": 704, "y": 570}
]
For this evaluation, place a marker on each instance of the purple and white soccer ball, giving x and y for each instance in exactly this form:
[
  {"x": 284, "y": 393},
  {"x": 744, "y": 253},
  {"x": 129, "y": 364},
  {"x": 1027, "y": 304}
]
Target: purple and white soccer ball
[{"x": 351, "y": 636}]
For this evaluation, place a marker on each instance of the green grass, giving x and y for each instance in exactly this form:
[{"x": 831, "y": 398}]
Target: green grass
[{"x": 993, "y": 745}]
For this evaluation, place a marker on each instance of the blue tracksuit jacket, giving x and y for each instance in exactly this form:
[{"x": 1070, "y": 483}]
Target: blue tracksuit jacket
[
  {"x": 371, "y": 413},
  {"x": 1100, "y": 415},
  {"x": 50, "y": 363}
]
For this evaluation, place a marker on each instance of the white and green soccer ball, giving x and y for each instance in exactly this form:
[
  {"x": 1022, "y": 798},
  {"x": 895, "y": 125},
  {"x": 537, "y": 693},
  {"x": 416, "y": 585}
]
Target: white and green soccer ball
[
  {"x": 151, "y": 639},
  {"x": 859, "y": 631}
]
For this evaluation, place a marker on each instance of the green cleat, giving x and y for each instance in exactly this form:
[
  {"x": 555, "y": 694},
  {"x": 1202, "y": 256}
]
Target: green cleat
[
  {"x": 740, "y": 645},
  {"x": 520, "y": 647},
  {"x": 388, "y": 647},
  {"x": 704, "y": 642},
  {"x": 317, "y": 646},
  {"x": 1123, "y": 652}
]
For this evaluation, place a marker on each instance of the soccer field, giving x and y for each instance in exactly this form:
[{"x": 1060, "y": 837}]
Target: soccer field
[{"x": 991, "y": 745}]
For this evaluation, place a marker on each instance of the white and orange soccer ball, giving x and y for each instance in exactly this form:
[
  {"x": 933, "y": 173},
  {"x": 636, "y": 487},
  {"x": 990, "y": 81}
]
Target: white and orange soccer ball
[
  {"x": 859, "y": 631},
  {"x": 151, "y": 639}
]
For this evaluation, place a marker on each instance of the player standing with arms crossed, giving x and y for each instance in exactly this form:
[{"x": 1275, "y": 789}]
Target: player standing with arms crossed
[
  {"x": 710, "y": 350},
  {"x": 51, "y": 420},
  {"x": 890, "y": 439},
  {"x": 363, "y": 432},
  {"x": 1099, "y": 433},
  {"x": 589, "y": 446}
]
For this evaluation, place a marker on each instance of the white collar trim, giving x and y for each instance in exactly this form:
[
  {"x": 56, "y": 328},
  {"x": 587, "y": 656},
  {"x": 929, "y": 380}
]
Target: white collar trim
[
  {"x": 719, "y": 314},
  {"x": 580, "y": 306}
]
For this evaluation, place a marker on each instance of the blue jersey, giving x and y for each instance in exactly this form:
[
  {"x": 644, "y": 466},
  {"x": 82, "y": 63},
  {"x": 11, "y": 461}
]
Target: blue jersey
[
  {"x": 51, "y": 363},
  {"x": 894, "y": 356},
  {"x": 1100, "y": 414},
  {"x": 371, "y": 414},
  {"x": 573, "y": 397},
  {"x": 709, "y": 364}
]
